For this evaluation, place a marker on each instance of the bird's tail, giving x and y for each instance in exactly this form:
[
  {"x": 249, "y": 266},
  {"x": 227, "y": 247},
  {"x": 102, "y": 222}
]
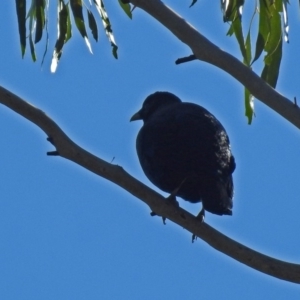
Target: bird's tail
[{"x": 218, "y": 200}]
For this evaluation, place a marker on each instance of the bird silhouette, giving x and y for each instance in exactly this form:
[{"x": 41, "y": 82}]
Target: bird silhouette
[{"x": 185, "y": 151}]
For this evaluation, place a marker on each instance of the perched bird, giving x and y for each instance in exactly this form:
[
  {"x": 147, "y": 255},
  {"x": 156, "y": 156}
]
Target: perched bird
[{"x": 184, "y": 150}]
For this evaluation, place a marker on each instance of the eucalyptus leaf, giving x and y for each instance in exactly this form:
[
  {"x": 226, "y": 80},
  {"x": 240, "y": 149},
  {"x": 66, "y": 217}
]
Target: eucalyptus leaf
[
  {"x": 40, "y": 19},
  {"x": 63, "y": 31},
  {"x": 127, "y": 9},
  {"x": 76, "y": 7},
  {"x": 107, "y": 26},
  {"x": 249, "y": 106},
  {"x": 21, "y": 14},
  {"x": 32, "y": 48},
  {"x": 93, "y": 25}
]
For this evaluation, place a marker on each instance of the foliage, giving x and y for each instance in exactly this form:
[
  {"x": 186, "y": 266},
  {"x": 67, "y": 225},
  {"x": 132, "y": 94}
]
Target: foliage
[
  {"x": 271, "y": 15},
  {"x": 36, "y": 21},
  {"x": 269, "y": 38}
]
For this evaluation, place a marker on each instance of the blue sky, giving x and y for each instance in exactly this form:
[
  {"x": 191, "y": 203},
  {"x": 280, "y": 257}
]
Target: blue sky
[{"x": 67, "y": 234}]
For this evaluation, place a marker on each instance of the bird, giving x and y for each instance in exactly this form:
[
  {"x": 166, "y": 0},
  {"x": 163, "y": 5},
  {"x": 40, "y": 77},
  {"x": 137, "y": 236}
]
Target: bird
[{"x": 185, "y": 151}]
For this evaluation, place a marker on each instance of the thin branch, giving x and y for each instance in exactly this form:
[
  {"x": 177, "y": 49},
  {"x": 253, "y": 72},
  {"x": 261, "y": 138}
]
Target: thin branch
[
  {"x": 66, "y": 148},
  {"x": 206, "y": 51}
]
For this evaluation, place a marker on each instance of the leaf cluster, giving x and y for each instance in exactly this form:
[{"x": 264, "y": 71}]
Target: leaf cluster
[
  {"x": 272, "y": 26},
  {"x": 269, "y": 30},
  {"x": 36, "y": 21}
]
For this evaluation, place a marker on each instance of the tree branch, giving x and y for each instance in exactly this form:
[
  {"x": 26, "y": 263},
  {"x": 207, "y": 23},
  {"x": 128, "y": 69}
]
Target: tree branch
[
  {"x": 206, "y": 51},
  {"x": 68, "y": 149}
]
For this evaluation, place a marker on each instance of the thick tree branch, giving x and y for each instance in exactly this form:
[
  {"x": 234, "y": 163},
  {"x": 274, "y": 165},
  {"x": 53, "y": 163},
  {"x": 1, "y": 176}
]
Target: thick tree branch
[
  {"x": 69, "y": 150},
  {"x": 206, "y": 51}
]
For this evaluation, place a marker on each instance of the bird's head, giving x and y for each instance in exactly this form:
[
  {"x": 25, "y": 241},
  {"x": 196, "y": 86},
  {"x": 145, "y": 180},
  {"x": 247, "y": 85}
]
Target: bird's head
[{"x": 154, "y": 103}]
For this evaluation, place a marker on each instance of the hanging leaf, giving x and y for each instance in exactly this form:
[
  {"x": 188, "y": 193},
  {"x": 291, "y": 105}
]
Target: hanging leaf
[
  {"x": 263, "y": 29},
  {"x": 273, "y": 43},
  {"x": 127, "y": 9},
  {"x": 31, "y": 16},
  {"x": 76, "y": 6},
  {"x": 64, "y": 33},
  {"x": 93, "y": 25},
  {"x": 21, "y": 14},
  {"x": 249, "y": 106},
  {"x": 231, "y": 9},
  {"x": 40, "y": 19},
  {"x": 32, "y": 49},
  {"x": 47, "y": 42},
  {"x": 107, "y": 26},
  {"x": 272, "y": 65},
  {"x": 260, "y": 44},
  {"x": 232, "y": 12},
  {"x": 238, "y": 31},
  {"x": 249, "y": 100}
]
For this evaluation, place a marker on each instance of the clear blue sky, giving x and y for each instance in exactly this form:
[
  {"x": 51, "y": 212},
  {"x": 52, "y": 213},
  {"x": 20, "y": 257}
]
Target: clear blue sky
[{"x": 67, "y": 234}]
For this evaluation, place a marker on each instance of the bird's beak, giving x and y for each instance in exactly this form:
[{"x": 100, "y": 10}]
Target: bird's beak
[{"x": 136, "y": 116}]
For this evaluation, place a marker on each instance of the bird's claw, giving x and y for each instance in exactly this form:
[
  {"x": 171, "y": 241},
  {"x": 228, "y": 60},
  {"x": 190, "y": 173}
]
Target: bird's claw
[
  {"x": 170, "y": 200},
  {"x": 200, "y": 217}
]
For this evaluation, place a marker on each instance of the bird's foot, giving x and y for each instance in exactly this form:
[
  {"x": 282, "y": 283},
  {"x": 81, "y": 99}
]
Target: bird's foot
[
  {"x": 170, "y": 200},
  {"x": 152, "y": 214},
  {"x": 200, "y": 217}
]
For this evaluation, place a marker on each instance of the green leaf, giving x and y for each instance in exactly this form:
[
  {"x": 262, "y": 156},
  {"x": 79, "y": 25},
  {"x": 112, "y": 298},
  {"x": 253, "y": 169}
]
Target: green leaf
[
  {"x": 260, "y": 44},
  {"x": 272, "y": 65},
  {"x": 64, "y": 33},
  {"x": 231, "y": 9},
  {"x": 275, "y": 32},
  {"x": 76, "y": 6},
  {"x": 230, "y": 31},
  {"x": 46, "y": 44},
  {"x": 238, "y": 31},
  {"x": 31, "y": 16},
  {"x": 273, "y": 45},
  {"x": 114, "y": 50},
  {"x": 126, "y": 8},
  {"x": 232, "y": 12},
  {"x": 32, "y": 49},
  {"x": 248, "y": 47},
  {"x": 69, "y": 25},
  {"x": 247, "y": 58},
  {"x": 93, "y": 25},
  {"x": 249, "y": 106},
  {"x": 21, "y": 14},
  {"x": 40, "y": 19},
  {"x": 107, "y": 26}
]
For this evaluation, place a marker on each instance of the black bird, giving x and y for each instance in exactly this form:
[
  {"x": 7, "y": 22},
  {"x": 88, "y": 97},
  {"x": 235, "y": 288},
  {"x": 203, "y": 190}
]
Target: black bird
[{"x": 184, "y": 150}]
